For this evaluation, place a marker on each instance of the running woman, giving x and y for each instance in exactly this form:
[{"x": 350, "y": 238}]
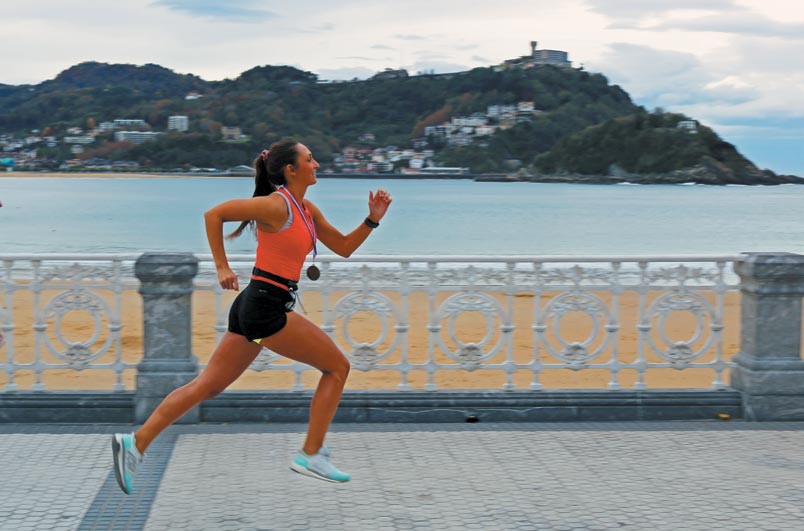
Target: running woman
[{"x": 287, "y": 227}]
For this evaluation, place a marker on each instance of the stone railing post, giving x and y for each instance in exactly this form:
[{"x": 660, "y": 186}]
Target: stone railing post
[
  {"x": 770, "y": 371},
  {"x": 167, "y": 362}
]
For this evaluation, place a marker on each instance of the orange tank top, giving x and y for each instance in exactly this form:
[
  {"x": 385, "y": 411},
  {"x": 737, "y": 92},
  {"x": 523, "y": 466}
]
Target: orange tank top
[{"x": 283, "y": 253}]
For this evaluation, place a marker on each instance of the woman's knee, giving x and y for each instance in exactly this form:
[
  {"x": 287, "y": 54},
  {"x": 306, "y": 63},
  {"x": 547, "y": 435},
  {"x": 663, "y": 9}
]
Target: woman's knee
[{"x": 340, "y": 367}]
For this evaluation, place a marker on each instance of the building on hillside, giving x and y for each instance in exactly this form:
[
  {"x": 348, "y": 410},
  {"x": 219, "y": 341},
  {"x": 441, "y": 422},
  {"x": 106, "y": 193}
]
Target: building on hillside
[
  {"x": 125, "y": 122},
  {"x": 496, "y": 111},
  {"x": 178, "y": 123},
  {"x": 79, "y": 139},
  {"x": 689, "y": 125},
  {"x": 484, "y": 130},
  {"x": 420, "y": 143},
  {"x": 135, "y": 137},
  {"x": 231, "y": 133},
  {"x": 549, "y": 57},
  {"x": 390, "y": 73},
  {"x": 538, "y": 57},
  {"x": 380, "y": 166}
]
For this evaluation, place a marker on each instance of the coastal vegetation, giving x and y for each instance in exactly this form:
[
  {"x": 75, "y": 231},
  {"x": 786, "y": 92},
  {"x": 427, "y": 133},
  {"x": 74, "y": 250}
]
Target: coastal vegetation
[{"x": 581, "y": 124}]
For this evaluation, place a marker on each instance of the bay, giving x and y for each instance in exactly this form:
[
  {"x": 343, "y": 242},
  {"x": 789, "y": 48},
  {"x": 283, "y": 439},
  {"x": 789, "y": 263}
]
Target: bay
[{"x": 428, "y": 217}]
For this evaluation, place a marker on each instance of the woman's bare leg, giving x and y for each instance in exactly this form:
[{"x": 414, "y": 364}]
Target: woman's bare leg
[
  {"x": 232, "y": 356},
  {"x": 303, "y": 341}
]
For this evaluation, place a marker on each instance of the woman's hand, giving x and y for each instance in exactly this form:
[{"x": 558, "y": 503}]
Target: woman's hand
[
  {"x": 227, "y": 278},
  {"x": 378, "y": 204}
]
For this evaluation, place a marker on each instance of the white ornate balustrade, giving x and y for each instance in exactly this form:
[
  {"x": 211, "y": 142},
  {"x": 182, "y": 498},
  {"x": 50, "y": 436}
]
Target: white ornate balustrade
[{"x": 432, "y": 315}]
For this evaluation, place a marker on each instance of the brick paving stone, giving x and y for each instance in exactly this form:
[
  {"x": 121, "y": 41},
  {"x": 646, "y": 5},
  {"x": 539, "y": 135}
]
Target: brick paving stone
[
  {"x": 49, "y": 480},
  {"x": 574, "y": 476}
]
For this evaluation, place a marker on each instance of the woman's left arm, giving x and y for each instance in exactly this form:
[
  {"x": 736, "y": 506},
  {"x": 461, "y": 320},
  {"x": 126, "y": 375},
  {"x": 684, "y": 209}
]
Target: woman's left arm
[{"x": 345, "y": 245}]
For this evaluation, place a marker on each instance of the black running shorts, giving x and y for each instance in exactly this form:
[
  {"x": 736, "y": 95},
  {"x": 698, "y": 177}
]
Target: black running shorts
[{"x": 260, "y": 310}]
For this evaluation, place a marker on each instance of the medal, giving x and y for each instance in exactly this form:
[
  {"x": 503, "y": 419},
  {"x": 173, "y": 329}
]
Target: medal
[{"x": 313, "y": 273}]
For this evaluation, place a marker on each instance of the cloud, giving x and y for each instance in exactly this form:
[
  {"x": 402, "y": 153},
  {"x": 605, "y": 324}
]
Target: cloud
[
  {"x": 480, "y": 59},
  {"x": 233, "y": 10},
  {"x": 321, "y": 28},
  {"x": 741, "y": 23},
  {"x": 410, "y": 37},
  {"x": 361, "y": 58},
  {"x": 629, "y": 12},
  {"x": 381, "y": 47},
  {"x": 656, "y": 77}
]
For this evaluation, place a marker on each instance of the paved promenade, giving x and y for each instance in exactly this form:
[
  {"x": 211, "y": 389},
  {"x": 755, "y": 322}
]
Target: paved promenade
[{"x": 595, "y": 476}]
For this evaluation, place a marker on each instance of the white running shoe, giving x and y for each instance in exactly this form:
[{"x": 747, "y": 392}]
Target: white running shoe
[
  {"x": 318, "y": 466},
  {"x": 126, "y": 460}
]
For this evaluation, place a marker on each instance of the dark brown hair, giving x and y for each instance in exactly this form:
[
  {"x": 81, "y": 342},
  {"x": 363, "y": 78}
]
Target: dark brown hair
[{"x": 269, "y": 174}]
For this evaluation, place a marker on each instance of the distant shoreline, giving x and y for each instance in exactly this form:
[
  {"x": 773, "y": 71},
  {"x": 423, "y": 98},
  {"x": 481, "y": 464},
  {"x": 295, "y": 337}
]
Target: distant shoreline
[
  {"x": 677, "y": 179},
  {"x": 188, "y": 175}
]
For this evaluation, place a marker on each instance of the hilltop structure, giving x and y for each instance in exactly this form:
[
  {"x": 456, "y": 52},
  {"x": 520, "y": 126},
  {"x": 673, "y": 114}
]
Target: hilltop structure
[{"x": 538, "y": 58}]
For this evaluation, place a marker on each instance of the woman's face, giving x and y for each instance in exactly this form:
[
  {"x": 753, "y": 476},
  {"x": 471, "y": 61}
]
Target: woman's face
[{"x": 306, "y": 165}]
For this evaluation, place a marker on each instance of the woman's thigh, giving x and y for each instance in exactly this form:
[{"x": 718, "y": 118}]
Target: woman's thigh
[
  {"x": 231, "y": 358},
  {"x": 301, "y": 340}
]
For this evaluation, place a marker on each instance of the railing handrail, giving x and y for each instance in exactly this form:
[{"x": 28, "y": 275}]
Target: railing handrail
[{"x": 242, "y": 257}]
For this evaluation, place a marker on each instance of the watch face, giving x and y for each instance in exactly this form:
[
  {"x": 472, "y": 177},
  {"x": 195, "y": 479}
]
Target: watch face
[{"x": 313, "y": 273}]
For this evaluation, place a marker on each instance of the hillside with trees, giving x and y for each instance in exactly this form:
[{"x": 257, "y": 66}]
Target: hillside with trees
[{"x": 581, "y": 124}]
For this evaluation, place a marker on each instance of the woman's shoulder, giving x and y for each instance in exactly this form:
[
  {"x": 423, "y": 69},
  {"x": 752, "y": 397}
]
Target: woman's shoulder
[{"x": 309, "y": 204}]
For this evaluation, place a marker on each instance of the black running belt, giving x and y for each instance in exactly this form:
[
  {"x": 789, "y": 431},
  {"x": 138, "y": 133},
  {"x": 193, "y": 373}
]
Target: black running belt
[{"x": 292, "y": 285}]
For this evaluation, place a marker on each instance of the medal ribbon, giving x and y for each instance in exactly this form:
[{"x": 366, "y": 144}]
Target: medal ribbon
[{"x": 310, "y": 226}]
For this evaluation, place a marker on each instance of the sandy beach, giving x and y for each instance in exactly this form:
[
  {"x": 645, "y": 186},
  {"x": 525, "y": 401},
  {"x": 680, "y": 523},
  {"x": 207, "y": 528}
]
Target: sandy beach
[
  {"x": 470, "y": 327},
  {"x": 366, "y": 327}
]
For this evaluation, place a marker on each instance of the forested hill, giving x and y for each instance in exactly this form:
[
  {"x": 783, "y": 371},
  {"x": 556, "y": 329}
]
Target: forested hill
[
  {"x": 655, "y": 147},
  {"x": 272, "y": 102}
]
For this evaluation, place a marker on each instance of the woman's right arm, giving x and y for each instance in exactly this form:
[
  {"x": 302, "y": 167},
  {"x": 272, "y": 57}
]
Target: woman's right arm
[{"x": 265, "y": 210}]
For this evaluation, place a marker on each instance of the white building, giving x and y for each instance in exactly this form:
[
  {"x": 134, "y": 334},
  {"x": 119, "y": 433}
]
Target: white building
[
  {"x": 459, "y": 140},
  {"x": 124, "y": 122},
  {"x": 79, "y": 139},
  {"x": 469, "y": 121},
  {"x": 380, "y": 166},
  {"x": 525, "y": 106},
  {"x": 495, "y": 111},
  {"x": 135, "y": 137},
  {"x": 689, "y": 125},
  {"x": 231, "y": 133},
  {"x": 106, "y": 127},
  {"x": 178, "y": 123}
]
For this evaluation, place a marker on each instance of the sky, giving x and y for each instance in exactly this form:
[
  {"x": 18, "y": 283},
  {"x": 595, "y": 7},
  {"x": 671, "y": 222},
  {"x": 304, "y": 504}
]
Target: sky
[{"x": 735, "y": 65}]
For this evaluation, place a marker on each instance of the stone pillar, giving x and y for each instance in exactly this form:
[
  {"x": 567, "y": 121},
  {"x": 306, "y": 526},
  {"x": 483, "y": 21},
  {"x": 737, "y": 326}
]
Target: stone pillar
[
  {"x": 167, "y": 362},
  {"x": 770, "y": 371}
]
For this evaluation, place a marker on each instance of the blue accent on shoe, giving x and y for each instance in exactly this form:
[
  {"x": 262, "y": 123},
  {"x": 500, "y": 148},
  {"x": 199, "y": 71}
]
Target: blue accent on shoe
[
  {"x": 318, "y": 466},
  {"x": 126, "y": 460}
]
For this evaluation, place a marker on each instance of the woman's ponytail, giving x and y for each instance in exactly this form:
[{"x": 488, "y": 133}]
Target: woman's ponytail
[{"x": 269, "y": 175}]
